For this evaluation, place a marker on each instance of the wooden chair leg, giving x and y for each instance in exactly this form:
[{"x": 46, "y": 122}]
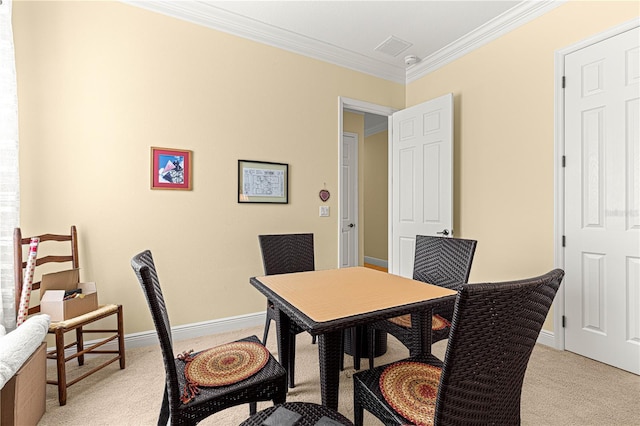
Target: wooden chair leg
[
  {"x": 61, "y": 367},
  {"x": 121, "y": 337},
  {"x": 80, "y": 345}
]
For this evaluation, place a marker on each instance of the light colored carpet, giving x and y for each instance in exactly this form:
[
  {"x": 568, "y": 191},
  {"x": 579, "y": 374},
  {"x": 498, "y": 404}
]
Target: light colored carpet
[{"x": 560, "y": 388}]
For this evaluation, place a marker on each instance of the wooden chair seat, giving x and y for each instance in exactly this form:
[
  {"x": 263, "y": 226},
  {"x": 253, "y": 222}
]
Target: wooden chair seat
[{"x": 102, "y": 312}]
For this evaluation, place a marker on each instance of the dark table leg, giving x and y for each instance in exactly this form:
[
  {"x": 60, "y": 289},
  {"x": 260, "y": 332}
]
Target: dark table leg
[
  {"x": 421, "y": 326},
  {"x": 329, "y": 354},
  {"x": 283, "y": 327}
]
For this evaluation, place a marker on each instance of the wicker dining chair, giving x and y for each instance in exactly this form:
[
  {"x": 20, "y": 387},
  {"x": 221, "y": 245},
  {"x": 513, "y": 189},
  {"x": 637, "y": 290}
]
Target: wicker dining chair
[
  {"x": 441, "y": 261},
  {"x": 268, "y": 383},
  {"x": 494, "y": 329},
  {"x": 285, "y": 254}
]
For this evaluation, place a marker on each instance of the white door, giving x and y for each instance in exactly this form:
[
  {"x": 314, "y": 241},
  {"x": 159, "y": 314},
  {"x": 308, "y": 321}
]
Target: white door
[
  {"x": 349, "y": 201},
  {"x": 422, "y": 178},
  {"x": 602, "y": 201}
]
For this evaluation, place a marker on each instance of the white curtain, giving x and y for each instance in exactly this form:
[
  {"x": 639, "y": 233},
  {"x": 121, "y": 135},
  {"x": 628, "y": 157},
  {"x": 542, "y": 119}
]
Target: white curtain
[{"x": 9, "y": 176}]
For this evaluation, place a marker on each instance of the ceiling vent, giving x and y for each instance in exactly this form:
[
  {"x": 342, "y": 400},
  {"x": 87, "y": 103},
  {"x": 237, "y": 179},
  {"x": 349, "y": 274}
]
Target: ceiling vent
[{"x": 393, "y": 46}]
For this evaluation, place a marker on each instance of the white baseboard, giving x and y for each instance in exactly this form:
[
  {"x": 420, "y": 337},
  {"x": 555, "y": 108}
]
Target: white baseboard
[
  {"x": 183, "y": 332},
  {"x": 547, "y": 338},
  {"x": 377, "y": 262},
  {"x": 205, "y": 328},
  {"x": 199, "y": 329}
]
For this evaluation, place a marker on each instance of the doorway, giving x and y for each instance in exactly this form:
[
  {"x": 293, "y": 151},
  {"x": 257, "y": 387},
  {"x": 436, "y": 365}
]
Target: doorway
[
  {"x": 423, "y": 134},
  {"x": 373, "y": 118}
]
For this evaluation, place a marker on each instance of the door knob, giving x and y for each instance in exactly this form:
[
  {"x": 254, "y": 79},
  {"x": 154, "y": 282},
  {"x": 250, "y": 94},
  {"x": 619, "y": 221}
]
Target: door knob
[
  {"x": 445, "y": 232},
  {"x": 351, "y": 225}
]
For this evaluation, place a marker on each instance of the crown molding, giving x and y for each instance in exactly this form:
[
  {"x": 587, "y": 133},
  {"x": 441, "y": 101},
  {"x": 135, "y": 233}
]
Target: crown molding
[
  {"x": 372, "y": 130},
  {"x": 497, "y": 27},
  {"x": 210, "y": 16}
]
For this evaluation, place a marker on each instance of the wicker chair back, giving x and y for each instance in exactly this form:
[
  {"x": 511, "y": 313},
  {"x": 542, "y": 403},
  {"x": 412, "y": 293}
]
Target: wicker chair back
[
  {"x": 443, "y": 261},
  {"x": 495, "y": 327},
  {"x": 287, "y": 253}
]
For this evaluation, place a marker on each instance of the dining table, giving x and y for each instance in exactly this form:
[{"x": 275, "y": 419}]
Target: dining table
[{"x": 327, "y": 302}]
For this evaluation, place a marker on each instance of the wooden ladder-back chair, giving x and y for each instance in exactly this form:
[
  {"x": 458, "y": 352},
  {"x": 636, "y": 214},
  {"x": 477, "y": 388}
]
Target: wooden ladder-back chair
[{"x": 68, "y": 244}]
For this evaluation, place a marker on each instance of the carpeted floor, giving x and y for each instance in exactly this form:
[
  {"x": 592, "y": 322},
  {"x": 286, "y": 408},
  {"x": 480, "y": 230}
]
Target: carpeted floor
[{"x": 560, "y": 388}]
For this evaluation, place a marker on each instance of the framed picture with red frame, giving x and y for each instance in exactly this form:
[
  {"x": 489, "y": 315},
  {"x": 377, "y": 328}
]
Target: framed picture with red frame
[{"x": 170, "y": 168}]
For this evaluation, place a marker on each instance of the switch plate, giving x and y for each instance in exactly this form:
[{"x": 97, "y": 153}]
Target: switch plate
[{"x": 324, "y": 211}]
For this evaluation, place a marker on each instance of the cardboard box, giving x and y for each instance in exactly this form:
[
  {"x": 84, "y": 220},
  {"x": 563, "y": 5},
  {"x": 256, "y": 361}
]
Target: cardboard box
[
  {"x": 23, "y": 397},
  {"x": 53, "y": 287}
]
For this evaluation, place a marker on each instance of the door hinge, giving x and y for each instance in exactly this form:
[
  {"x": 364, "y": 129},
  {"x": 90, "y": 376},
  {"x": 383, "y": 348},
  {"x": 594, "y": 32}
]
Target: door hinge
[
  {"x": 564, "y": 241},
  {"x": 564, "y": 81},
  {"x": 564, "y": 161},
  {"x": 564, "y": 321}
]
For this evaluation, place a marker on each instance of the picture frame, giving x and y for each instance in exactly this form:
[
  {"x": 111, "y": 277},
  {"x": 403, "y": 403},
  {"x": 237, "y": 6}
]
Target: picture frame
[
  {"x": 171, "y": 168},
  {"x": 263, "y": 182}
]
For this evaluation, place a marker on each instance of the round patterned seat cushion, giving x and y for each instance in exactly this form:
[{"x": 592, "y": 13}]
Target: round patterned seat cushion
[
  {"x": 222, "y": 365},
  {"x": 437, "y": 322},
  {"x": 411, "y": 388}
]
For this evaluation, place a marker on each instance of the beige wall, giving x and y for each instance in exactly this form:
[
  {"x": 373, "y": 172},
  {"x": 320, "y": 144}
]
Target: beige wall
[
  {"x": 504, "y": 136},
  {"x": 376, "y": 188},
  {"x": 99, "y": 83}
]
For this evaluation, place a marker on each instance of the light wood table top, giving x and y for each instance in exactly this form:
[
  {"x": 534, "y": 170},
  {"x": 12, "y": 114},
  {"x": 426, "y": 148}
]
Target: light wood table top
[{"x": 337, "y": 293}]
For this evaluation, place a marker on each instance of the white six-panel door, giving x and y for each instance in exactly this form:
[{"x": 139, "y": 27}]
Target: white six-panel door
[
  {"x": 422, "y": 178},
  {"x": 349, "y": 201},
  {"x": 602, "y": 201}
]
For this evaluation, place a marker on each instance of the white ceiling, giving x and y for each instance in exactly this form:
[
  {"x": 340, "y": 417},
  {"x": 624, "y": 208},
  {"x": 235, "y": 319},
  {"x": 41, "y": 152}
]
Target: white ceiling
[{"x": 347, "y": 33}]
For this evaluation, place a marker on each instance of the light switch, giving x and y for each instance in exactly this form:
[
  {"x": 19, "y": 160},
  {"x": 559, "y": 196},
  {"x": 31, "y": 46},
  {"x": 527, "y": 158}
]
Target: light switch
[{"x": 324, "y": 211}]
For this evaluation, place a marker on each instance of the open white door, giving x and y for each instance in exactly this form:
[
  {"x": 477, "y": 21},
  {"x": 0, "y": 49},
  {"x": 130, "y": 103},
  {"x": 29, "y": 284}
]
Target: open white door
[{"x": 421, "y": 178}]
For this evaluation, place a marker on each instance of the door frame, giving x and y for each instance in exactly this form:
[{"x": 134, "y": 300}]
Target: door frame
[
  {"x": 556, "y": 339},
  {"x": 360, "y": 106}
]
